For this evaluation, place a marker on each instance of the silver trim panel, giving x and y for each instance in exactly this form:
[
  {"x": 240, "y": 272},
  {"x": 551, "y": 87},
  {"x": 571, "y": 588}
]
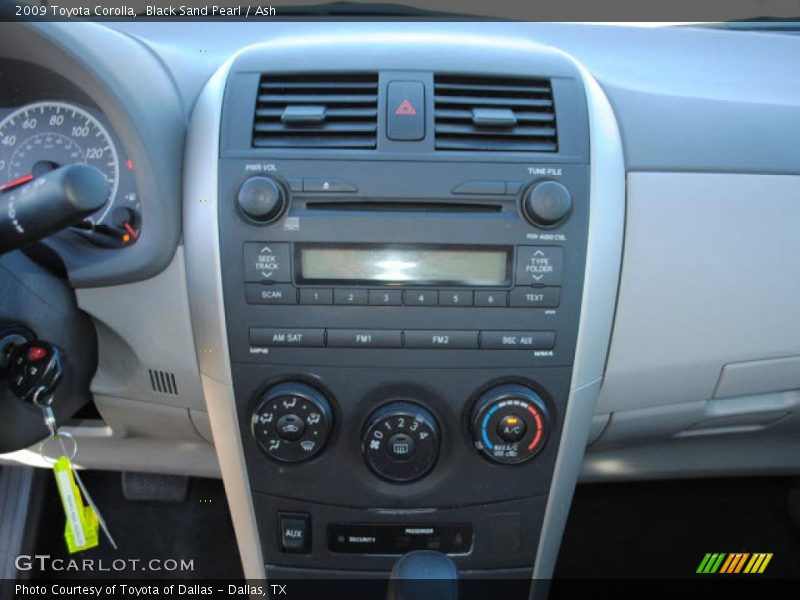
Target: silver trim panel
[
  {"x": 601, "y": 283},
  {"x": 204, "y": 278}
]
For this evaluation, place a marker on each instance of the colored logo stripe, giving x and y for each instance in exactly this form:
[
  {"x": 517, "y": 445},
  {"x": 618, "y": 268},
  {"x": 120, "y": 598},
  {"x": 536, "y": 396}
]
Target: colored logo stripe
[
  {"x": 711, "y": 562},
  {"x": 721, "y": 562},
  {"x": 758, "y": 563}
]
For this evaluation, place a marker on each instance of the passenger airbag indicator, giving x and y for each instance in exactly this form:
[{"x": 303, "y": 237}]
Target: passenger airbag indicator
[{"x": 391, "y": 538}]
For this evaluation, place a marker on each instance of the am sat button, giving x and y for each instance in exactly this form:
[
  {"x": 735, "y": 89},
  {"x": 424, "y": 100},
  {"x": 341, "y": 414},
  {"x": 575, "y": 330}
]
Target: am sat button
[
  {"x": 302, "y": 338},
  {"x": 518, "y": 340},
  {"x": 295, "y": 532}
]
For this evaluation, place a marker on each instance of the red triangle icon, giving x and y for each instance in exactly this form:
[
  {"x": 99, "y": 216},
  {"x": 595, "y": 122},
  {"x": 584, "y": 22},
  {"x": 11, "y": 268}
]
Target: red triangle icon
[{"x": 405, "y": 108}]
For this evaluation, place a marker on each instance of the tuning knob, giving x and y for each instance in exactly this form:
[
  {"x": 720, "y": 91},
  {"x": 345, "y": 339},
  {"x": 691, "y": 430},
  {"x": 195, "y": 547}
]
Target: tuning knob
[
  {"x": 292, "y": 422},
  {"x": 401, "y": 442},
  {"x": 261, "y": 199},
  {"x": 510, "y": 424},
  {"x": 546, "y": 203}
]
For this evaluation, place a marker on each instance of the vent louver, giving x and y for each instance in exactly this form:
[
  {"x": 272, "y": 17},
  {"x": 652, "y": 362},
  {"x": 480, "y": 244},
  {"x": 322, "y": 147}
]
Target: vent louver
[
  {"x": 316, "y": 111},
  {"x": 494, "y": 114}
]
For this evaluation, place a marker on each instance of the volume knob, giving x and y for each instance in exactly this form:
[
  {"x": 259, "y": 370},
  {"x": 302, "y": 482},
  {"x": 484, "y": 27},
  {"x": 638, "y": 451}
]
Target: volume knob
[{"x": 261, "y": 199}]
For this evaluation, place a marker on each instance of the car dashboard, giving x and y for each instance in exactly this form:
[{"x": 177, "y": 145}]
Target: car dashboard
[{"x": 404, "y": 286}]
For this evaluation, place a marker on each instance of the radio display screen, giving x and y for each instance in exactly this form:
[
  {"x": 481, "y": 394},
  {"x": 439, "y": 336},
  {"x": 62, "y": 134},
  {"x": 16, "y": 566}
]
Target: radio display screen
[{"x": 372, "y": 264}]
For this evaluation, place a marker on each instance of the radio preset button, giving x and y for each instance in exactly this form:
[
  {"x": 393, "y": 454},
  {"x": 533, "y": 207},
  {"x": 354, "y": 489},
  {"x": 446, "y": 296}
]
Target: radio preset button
[
  {"x": 316, "y": 296},
  {"x": 301, "y": 338},
  {"x": 386, "y": 297},
  {"x": 257, "y": 293},
  {"x": 448, "y": 298},
  {"x": 264, "y": 261},
  {"x": 540, "y": 265},
  {"x": 353, "y": 297},
  {"x": 536, "y": 297},
  {"x": 441, "y": 339},
  {"x": 518, "y": 340},
  {"x": 364, "y": 338},
  {"x": 420, "y": 297},
  {"x": 493, "y": 298}
]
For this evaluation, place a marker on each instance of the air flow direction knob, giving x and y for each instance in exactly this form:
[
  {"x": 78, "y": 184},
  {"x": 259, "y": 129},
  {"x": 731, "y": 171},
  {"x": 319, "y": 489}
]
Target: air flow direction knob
[
  {"x": 546, "y": 204},
  {"x": 401, "y": 442},
  {"x": 292, "y": 422},
  {"x": 261, "y": 199},
  {"x": 510, "y": 424}
]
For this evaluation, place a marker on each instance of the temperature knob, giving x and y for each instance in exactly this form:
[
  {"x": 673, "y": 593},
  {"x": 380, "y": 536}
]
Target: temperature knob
[
  {"x": 510, "y": 424},
  {"x": 292, "y": 422},
  {"x": 401, "y": 442}
]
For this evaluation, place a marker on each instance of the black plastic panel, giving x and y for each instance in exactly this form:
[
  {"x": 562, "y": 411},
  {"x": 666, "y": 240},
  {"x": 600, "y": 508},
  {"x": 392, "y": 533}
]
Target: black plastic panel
[{"x": 364, "y": 350}]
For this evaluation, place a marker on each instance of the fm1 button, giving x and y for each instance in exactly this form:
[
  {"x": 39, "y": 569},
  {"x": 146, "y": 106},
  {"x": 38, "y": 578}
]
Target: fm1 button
[
  {"x": 295, "y": 532},
  {"x": 511, "y": 429},
  {"x": 400, "y": 446},
  {"x": 291, "y": 427}
]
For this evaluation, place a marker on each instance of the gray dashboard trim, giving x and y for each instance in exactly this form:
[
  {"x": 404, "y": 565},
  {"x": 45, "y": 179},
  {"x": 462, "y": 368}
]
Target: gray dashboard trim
[
  {"x": 603, "y": 263},
  {"x": 204, "y": 277}
]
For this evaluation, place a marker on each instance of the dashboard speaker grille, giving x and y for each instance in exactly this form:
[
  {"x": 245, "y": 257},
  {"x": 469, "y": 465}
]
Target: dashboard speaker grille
[
  {"x": 317, "y": 111},
  {"x": 163, "y": 382},
  {"x": 494, "y": 114}
]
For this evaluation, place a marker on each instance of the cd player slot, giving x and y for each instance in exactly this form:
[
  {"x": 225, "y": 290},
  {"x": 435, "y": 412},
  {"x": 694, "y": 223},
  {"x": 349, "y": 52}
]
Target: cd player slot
[{"x": 402, "y": 206}]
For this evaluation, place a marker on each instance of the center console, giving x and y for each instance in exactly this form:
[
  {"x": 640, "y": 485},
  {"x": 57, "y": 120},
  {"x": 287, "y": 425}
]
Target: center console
[{"x": 399, "y": 262}]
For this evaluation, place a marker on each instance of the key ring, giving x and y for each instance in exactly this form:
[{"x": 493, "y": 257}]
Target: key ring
[
  {"x": 42, "y": 403},
  {"x": 58, "y": 437}
]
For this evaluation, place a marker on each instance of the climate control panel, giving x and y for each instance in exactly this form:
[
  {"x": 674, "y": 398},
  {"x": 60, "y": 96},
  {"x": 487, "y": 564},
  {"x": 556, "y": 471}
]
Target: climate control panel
[
  {"x": 510, "y": 424},
  {"x": 401, "y": 442},
  {"x": 292, "y": 422}
]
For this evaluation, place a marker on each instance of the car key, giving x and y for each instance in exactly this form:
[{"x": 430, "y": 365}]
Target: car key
[{"x": 35, "y": 371}]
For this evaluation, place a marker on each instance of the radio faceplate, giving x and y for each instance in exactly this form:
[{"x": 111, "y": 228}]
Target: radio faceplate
[
  {"x": 520, "y": 308},
  {"x": 369, "y": 343}
]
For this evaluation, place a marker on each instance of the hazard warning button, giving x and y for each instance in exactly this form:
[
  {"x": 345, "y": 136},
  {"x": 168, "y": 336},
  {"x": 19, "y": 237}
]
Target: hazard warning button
[{"x": 405, "y": 109}]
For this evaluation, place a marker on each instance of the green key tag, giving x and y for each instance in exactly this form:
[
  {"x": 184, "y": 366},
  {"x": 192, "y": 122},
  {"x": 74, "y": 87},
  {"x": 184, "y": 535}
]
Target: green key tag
[{"x": 82, "y": 523}]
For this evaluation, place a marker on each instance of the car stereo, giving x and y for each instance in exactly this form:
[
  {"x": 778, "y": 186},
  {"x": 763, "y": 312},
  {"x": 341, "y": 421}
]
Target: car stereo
[{"x": 401, "y": 323}]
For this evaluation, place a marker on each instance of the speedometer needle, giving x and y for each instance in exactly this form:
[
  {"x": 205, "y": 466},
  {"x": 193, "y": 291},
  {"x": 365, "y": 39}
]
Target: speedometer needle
[{"x": 18, "y": 181}]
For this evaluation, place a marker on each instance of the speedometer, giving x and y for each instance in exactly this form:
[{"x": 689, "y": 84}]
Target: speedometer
[{"x": 40, "y": 137}]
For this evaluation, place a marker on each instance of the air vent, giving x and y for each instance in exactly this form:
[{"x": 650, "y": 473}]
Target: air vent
[
  {"x": 494, "y": 114},
  {"x": 316, "y": 111},
  {"x": 163, "y": 382}
]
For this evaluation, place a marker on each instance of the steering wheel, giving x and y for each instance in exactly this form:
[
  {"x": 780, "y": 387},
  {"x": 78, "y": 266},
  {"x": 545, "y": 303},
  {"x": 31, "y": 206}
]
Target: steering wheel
[{"x": 35, "y": 303}]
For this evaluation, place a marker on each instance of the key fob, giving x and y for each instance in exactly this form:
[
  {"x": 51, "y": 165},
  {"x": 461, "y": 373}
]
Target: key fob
[{"x": 34, "y": 366}]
